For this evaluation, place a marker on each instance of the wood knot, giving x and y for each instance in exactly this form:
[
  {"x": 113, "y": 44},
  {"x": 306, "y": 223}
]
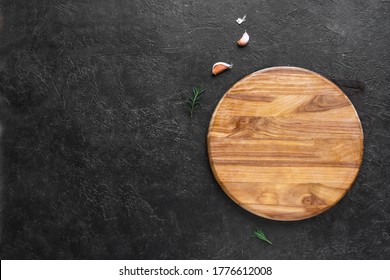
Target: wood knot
[{"x": 311, "y": 199}]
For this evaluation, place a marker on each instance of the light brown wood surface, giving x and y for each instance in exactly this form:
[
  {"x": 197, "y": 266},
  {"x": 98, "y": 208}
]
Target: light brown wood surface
[{"x": 285, "y": 143}]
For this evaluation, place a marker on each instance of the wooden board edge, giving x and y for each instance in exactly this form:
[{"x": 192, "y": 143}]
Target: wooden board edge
[{"x": 245, "y": 206}]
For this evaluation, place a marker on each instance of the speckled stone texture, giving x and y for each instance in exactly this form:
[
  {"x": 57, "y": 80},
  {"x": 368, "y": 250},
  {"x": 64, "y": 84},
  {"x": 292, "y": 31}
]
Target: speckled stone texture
[{"x": 100, "y": 160}]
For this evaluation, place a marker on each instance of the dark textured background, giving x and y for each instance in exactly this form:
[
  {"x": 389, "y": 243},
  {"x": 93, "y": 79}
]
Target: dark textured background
[{"x": 100, "y": 160}]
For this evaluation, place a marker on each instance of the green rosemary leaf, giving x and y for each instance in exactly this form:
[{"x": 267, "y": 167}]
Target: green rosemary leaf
[
  {"x": 194, "y": 101},
  {"x": 260, "y": 235}
]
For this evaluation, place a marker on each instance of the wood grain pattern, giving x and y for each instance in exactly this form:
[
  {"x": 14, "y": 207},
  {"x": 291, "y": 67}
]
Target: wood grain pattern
[{"x": 285, "y": 143}]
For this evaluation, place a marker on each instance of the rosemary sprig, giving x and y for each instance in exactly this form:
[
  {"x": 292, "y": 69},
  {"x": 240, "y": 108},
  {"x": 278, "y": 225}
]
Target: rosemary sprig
[
  {"x": 194, "y": 101},
  {"x": 260, "y": 235}
]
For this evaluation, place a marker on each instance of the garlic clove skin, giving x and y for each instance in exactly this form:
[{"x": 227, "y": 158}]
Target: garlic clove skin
[
  {"x": 244, "y": 40},
  {"x": 219, "y": 67},
  {"x": 241, "y": 20}
]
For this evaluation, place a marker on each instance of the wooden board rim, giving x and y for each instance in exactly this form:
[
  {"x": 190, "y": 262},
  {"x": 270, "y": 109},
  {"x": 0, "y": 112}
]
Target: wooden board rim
[{"x": 243, "y": 205}]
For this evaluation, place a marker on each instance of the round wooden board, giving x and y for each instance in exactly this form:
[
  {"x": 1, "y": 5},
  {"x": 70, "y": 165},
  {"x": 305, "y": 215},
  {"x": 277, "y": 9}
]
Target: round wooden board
[{"x": 285, "y": 143}]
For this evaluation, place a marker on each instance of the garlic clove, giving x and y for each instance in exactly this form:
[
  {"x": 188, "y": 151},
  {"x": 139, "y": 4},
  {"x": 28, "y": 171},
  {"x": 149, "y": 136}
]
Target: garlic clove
[
  {"x": 244, "y": 40},
  {"x": 219, "y": 67}
]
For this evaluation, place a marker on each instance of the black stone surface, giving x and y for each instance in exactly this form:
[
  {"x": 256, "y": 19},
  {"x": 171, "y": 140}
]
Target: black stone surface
[{"x": 100, "y": 160}]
